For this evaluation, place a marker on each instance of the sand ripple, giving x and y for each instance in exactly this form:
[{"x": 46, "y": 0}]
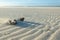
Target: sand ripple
[{"x": 45, "y": 27}]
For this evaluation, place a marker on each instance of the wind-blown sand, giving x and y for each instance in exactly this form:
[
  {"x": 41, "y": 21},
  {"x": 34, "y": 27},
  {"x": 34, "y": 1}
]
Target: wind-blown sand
[{"x": 41, "y": 23}]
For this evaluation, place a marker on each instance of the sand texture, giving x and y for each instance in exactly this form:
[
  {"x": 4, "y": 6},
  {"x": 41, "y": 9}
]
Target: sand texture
[{"x": 39, "y": 24}]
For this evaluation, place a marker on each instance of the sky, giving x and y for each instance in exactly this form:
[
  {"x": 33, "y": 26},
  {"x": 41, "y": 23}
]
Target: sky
[{"x": 29, "y": 2}]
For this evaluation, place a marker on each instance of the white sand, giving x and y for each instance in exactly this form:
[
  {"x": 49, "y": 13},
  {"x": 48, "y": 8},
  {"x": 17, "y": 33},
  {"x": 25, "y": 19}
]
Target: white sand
[{"x": 41, "y": 23}]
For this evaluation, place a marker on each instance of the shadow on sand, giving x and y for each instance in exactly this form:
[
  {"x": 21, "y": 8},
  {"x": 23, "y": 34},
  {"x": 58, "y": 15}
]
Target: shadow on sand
[{"x": 27, "y": 24}]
